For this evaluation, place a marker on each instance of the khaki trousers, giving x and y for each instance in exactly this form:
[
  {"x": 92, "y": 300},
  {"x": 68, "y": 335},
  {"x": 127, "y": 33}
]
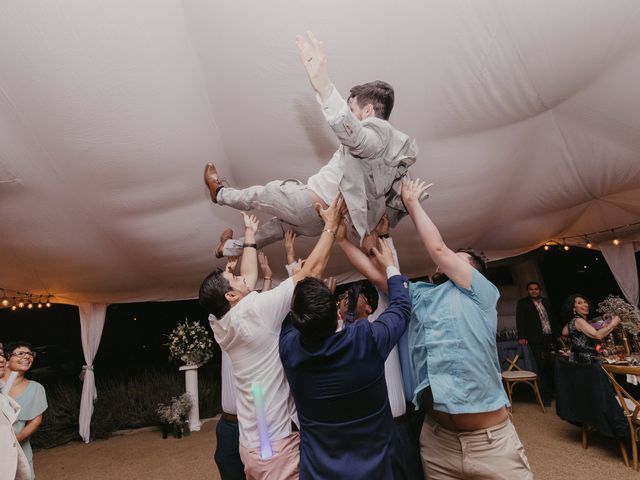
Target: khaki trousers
[
  {"x": 283, "y": 465},
  {"x": 487, "y": 454}
]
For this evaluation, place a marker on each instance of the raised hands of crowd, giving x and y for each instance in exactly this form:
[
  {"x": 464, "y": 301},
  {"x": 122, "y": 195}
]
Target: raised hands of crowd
[{"x": 289, "y": 241}]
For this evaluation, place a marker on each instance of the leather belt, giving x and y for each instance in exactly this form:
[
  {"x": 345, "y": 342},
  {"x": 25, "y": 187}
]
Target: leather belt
[{"x": 229, "y": 417}]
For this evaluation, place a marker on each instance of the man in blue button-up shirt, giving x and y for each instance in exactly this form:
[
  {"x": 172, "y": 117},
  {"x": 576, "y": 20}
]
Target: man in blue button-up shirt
[{"x": 467, "y": 432}]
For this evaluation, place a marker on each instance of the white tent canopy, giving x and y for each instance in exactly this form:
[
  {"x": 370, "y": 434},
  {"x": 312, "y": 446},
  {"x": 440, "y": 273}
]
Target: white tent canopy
[{"x": 526, "y": 115}]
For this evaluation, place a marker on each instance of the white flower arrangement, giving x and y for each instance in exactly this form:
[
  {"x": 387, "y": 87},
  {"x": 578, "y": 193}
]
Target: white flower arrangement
[
  {"x": 190, "y": 343},
  {"x": 177, "y": 411},
  {"x": 629, "y": 315}
]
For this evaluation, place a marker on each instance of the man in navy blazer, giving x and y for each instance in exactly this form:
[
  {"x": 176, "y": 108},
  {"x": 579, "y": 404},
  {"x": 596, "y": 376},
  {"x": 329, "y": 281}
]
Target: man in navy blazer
[{"x": 338, "y": 383}]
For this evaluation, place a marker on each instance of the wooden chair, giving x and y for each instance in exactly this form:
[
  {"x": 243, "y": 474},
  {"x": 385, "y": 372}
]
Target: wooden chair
[
  {"x": 514, "y": 375},
  {"x": 629, "y": 404}
]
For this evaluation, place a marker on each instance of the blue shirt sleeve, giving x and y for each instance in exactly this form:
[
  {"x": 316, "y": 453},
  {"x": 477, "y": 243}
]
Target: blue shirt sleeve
[
  {"x": 392, "y": 323},
  {"x": 482, "y": 291}
]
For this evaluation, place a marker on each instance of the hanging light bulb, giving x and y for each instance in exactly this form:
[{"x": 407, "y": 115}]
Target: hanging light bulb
[
  {"x": 13, "y": 307},
  {"x": 5, "y": 300},
  {"x": 30, "y": 304},
  {"x": 616, "y": 242},
  {"x": 588, "y": 244},
  {"x": 565, "y": 246},
  {"x": 21, "y": 303},
  {"x": 546, "y": 247},
  {"x": 40, "y": 301},
  {"x": 48, "y": 304}
]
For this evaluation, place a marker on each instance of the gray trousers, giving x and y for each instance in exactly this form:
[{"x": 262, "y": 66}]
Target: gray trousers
[{"x": 287, "y": 200}]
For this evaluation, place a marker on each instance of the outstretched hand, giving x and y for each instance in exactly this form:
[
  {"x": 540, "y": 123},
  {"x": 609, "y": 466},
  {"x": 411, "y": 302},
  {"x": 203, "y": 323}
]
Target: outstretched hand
[
  {"x": 315, "y": 63},
  {"x": 383, "y": 254},
  {"x": 263, "y": 261},
  {"x": 412, "y": 190},
  {"x": 250, "y": 221},
  {"x": 332, "y": 215}
]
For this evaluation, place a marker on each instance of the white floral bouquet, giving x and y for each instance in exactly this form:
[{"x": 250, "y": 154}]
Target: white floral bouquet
[
  {"x": 177, "y": 411},
  {"x": 190, "y": 343},
  {"x": 629, "y": 314}
]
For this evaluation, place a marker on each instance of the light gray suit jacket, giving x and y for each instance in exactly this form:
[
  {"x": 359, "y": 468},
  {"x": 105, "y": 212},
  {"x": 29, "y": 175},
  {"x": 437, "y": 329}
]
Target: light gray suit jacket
[
  {"x": 374, "y": 157},
  {"x": 13, "y": 463}
]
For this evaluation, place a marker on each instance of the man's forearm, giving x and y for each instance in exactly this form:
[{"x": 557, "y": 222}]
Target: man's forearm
[
  {"x": 249, "y": 263},
  {"x": 429, "y": 233},
  {"x": 364, "y": 265},
  {"x": 317, "y": 261}
]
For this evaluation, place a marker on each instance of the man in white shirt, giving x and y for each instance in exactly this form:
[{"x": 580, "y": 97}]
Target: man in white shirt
[
  {"x": 367, "y": 168},
  {"x": 247, "y": 328},
  {"x": 13, "y": 462}
]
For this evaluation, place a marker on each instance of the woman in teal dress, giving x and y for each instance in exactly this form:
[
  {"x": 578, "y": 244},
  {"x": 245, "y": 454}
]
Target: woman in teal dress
[{"x": 28, "y": 394}]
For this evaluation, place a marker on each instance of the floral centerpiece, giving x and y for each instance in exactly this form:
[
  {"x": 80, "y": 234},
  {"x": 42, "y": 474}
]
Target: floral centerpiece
[
  {"x": 629, "y": 317},
  {"x": 175, "y": 414},
  {"x": 190, "y": 343}
]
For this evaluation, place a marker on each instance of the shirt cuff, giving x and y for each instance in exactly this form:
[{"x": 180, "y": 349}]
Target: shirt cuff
[
  {"x": 334, "y": 106},
  {"x": 392, "y": 271}
]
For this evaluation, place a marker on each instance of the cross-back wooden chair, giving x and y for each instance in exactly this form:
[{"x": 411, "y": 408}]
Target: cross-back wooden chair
[
  {"x": 514, "y": 375},
  {"x": 629, "y": 404}
]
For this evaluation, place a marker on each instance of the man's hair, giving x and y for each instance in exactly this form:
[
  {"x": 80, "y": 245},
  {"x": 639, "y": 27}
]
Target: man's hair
[
  {"x": 12, "y": 346},
  {"x": 212, "y": 293},
  {"x": 313, "y": 310},
  {"x": 370, "y": 293},
  {"x": 379, "y": 94},
  {"x": 478, "y": 261},
  {"x": 567, "y": 307},
  {"x": 533, "y": 283}
]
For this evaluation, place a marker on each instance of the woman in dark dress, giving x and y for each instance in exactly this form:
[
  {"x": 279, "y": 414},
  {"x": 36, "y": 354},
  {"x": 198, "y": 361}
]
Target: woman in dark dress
[{"x": 584, "y": 337}]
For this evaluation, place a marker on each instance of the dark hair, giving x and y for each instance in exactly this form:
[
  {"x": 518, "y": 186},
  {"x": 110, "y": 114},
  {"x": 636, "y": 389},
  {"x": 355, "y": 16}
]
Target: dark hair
[
  {"x": 379, "y": 94},
  {"x": 567, "y": 306},
  {"x": 11, "y": 346},
  {"x": 313, "y": 310},
  {"x": 370, "y": 293},
  {"x": 212, "y": 293},
  {"x": 478, "y": 260},
  {"x": 533, "y": 283}
]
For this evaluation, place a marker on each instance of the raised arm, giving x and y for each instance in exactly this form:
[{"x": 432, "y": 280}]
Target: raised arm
[
  {"x": 289, "y": 246},
  {"x": 249, "y": 262},
  {"x": 361, "y": 262},
  {"x": 391, "y": 324},
  {"x": 266, "y": 271},
  {"x": 317, "y": 260},
  {"x": 454, "y": 266},
  {"x": 362, "y": 141},
  {"x": 589, "y": 331}
]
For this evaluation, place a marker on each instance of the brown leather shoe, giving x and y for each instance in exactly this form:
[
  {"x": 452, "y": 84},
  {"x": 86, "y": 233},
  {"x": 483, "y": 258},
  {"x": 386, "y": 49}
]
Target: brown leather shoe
[
  {"x": 212, "y": 180},
  {"x": 224, "y": 236}
]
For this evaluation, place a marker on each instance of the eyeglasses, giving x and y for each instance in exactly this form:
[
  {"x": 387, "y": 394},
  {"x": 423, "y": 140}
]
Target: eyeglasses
[{"x": 23, "y": 354}]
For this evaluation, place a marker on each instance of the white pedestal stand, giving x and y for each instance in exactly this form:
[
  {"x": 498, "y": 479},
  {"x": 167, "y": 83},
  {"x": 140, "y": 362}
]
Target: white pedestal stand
[{"x": 191, "y": 383}]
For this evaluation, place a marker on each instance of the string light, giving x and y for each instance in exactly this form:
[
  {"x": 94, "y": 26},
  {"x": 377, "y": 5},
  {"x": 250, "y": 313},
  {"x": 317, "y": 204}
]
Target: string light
[
  {"x": 599, "y": 236},
  {"x": 587, "y": 244},
  {"x": 5, "y": 300},
  {"x": 24, "y": 299}
]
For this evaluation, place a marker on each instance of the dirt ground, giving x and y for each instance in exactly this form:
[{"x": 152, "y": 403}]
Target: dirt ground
[{"x": 552, "y": 445}]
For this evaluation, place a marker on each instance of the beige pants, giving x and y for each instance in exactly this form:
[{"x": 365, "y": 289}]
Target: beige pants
[
  {"x": 283, "y": 465},
  {"x": 488, "y": 454}
]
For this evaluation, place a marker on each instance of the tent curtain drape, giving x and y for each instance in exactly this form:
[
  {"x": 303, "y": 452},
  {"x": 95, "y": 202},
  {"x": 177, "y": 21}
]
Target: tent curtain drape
[
  {"x": 92, "y": 317},
  {"x": 622, "y": 262}
]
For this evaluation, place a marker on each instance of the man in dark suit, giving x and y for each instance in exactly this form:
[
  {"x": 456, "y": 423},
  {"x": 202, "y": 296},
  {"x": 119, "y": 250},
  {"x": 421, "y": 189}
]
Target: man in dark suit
[
  {"x": 338, "y": 382},
  {"x": 538, "y": 327}
]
